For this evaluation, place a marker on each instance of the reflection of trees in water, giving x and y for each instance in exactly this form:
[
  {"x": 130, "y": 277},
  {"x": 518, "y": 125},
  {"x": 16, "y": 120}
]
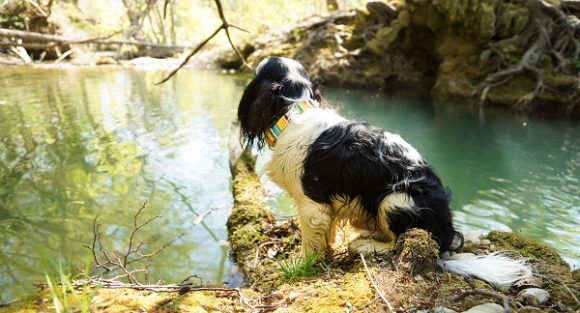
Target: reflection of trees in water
[{"x": 64, "y": 159}]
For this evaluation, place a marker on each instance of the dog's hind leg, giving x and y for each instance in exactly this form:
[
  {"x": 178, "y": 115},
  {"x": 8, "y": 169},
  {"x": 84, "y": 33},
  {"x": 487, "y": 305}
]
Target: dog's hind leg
[
  {"x": 316, "y": 227},
  {"x": 382, "y": 239}
]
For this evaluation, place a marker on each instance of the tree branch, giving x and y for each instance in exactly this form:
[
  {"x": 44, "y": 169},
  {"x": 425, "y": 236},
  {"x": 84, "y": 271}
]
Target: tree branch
[
  {"x": 389, "y": 307},
  {"x": 225, "y": 26}
]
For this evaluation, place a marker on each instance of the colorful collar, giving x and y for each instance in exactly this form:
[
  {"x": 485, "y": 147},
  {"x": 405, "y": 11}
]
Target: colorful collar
[{"x": 275, "y": 131}]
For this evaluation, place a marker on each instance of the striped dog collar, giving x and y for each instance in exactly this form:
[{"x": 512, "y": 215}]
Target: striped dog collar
[{"x": 275, "y": 131}]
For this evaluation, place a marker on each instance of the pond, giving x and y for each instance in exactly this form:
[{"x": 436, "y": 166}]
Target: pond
[{"x": 77, "y": 143}]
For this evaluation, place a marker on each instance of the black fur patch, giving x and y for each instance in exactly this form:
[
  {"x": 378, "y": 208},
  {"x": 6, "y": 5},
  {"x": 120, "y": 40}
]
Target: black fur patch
[{"x": 353, "y": 159}]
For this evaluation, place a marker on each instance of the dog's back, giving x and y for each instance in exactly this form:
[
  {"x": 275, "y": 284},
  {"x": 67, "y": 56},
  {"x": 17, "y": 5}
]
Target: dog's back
[{"x": 353, "y": 160}]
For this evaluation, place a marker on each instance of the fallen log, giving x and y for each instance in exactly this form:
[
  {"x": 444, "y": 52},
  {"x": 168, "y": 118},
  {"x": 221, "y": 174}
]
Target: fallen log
[{"x": 33, "y": 40}]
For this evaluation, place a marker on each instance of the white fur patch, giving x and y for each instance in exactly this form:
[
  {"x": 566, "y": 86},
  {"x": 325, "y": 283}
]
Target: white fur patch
[{"x": 285, "y": 168}]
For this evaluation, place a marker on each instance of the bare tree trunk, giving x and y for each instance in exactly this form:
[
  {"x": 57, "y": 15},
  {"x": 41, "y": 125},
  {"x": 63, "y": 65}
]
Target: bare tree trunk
[
  {"x": 153, "y": 30},
  {"x": 172, "y": 29},
  {"x": 160, "y": 24},
  {"x": 136, "y": 17}
]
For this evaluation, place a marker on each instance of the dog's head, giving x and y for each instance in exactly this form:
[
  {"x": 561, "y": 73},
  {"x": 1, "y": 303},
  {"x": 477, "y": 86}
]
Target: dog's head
[{"x": 277, "y": 84}]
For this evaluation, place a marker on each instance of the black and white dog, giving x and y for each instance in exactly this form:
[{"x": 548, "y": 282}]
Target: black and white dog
[{"x": 340, "y": 170}]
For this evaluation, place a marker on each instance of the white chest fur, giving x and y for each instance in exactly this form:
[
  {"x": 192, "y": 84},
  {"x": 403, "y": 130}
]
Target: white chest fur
[{"x": 285, "y": 168}]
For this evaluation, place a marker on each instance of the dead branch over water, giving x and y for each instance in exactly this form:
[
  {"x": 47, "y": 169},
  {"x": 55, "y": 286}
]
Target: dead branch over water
[
  {"x": 225, "y": 26},
  {"x": 115, "y": 264}
]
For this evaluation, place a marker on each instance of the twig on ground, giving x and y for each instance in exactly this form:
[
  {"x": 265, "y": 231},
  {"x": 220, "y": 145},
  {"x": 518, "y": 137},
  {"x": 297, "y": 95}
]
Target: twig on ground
[
  {"x": 504, "y": 298},
  {"x": 255, "y": 263},
  {"x": 224, "y": 26},
  {"x": 572, "y": 294},
  {"x": 389, "y": 307}
]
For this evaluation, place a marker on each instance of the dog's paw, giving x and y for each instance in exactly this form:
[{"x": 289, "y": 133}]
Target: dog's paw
[{"x": 367, "y": 246}]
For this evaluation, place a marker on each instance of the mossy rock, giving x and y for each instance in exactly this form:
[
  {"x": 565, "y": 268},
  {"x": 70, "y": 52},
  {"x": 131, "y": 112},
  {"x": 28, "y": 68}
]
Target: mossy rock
[{"x": 416, "y": 252}]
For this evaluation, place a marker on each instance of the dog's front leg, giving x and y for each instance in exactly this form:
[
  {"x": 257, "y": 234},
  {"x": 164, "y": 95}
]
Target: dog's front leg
[{"x": 315, "y": 226}]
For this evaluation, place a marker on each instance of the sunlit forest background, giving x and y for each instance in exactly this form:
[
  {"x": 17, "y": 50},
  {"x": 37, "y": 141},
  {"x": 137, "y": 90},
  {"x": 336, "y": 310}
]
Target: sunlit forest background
[{"x": 167, "y": 22}]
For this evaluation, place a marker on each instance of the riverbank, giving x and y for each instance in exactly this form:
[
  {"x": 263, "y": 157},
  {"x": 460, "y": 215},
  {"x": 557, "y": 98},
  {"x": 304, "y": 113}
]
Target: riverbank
[{"x": 482, "y": 52}]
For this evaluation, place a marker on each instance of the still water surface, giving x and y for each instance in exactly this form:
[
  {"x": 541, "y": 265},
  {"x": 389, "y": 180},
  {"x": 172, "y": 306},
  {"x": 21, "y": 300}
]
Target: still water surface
[{"x": 76, "y": 143}]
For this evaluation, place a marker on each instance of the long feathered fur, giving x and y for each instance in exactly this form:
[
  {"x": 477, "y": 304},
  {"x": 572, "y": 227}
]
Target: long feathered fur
[{"x": 496, "y": 268}]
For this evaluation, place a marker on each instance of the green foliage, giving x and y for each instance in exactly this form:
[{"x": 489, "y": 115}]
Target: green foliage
[
  {"x": 303, "y": 266},
  {"x": 12, "y": 22}
]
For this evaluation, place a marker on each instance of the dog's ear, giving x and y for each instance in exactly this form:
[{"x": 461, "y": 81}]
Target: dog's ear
[
  {"x": 261, "y": 105},
  {"x": 316, "y": 95}
]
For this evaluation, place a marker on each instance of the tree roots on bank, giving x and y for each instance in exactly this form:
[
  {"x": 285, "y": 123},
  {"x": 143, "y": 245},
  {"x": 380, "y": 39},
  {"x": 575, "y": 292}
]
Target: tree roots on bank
[{"x": 550, "y": 34}]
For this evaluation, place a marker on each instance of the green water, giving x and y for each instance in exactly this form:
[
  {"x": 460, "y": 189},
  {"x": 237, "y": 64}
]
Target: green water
[{"x": 76, "y": 143}]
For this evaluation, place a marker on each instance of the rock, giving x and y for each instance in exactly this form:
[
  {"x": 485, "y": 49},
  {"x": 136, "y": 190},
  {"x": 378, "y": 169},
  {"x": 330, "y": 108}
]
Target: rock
[
  {"x": 385, "y": 36},
  {"x": 381, "y": 12},
  {"x": 105, "y": 61},
  {"x": 441, "y": 309},
  {"x": 472, "y": 236},
  {"x": 486, "y": 308},
  {"x": 512, "y": 20},
  {"x": 293, "y": 296},
  {"x": 533, "y": 296}
]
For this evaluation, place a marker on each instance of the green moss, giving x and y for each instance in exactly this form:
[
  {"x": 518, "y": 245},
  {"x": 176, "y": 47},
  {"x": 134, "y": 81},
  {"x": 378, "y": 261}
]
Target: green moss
[
  {"x": 546, "y": 261},
  {"x": 332, "y": 294},
  {"x": 416, "y": 252},
  {"x": 526, "y": 247},
  {"x": 385, "y": 36}
]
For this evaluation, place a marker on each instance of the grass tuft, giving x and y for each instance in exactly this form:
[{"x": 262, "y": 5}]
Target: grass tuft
[
  {"x": 304, "y": 266},
  {"x": 65, "y": 296}
]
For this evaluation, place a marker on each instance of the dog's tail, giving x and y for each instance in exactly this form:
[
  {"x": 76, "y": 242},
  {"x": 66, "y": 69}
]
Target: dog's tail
[{"x": 495, "y": 268}]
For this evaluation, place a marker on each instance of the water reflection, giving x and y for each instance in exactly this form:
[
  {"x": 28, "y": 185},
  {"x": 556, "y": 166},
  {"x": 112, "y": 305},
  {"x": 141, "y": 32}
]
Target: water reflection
[{"x": 80, "y": 142}]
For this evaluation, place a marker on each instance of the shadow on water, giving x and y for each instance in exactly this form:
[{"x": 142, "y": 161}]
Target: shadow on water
[{"x": 76, "y": 143}]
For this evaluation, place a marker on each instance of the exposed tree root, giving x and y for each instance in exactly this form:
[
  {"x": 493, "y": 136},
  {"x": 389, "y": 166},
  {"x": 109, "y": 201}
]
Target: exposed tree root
[{"x": 550, "y": 34}]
